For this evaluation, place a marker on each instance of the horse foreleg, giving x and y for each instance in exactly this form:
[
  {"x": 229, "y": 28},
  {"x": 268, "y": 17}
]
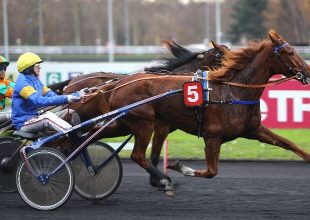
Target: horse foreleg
[
  {"x": 161, "y": 131},
  {"x": 142, "y": 139},
  {"x": 264, "y": 135},
  {"x": 212, "y": 153}
]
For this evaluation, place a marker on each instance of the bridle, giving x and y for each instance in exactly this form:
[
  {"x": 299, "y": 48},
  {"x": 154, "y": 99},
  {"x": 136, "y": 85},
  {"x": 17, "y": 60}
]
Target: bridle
[{"x": 300, "y": 75}]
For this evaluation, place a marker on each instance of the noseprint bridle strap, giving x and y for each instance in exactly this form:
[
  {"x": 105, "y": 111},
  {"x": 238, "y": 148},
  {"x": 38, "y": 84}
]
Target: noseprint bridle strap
[{"x": 278, "y": 48}]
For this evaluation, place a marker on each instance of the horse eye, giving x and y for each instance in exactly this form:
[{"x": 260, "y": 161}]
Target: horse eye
[
  {"x": 291, "y": 53},
  {"x": 200, "y": 56}
]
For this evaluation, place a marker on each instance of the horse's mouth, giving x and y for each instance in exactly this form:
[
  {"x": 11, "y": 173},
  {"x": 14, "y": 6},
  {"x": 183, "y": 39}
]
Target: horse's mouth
[
  {"x": 305, "y": 81},
  {"x": 303, "y": 78}
]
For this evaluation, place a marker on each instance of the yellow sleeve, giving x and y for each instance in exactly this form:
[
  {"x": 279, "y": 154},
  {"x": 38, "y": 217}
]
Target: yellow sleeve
[
  {"x": 27, "y": 91},
  {"x": 45, "y": 90}
]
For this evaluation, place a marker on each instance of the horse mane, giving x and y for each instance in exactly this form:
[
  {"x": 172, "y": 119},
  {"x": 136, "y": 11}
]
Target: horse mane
[
  {"x": 181, "y": 56},
  {"x": 234, "y": 61}
]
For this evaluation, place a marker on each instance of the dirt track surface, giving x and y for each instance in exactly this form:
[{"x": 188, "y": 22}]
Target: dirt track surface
[{"x": 242, "y": 190}]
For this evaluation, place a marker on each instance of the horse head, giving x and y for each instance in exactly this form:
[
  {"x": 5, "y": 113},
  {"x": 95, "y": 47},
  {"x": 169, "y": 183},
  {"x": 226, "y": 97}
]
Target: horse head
[
  {"x": 212, "y": 58},
  {"x": 184, "y": 60},
  {"x": 291, "y": 64}
]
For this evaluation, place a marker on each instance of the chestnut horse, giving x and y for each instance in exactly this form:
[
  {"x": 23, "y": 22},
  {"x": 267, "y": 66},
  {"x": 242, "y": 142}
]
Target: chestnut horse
[
  {"x": 242, "y": 77},
  {"x": 184, "y": 61}
]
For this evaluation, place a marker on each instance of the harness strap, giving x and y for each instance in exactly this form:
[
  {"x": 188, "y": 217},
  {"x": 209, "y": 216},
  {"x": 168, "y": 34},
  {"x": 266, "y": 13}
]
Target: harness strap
[
  {"x": 205, "y": 85},
  {"x": 206, "y": 97}
]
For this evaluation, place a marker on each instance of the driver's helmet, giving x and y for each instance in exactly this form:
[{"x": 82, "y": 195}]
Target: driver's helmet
[
  {"x": 4, "y": 62},
  {"x": 27, "y": 60}
]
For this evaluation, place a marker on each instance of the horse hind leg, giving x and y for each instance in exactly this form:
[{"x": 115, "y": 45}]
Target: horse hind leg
[{"x": 264, "y": 135}]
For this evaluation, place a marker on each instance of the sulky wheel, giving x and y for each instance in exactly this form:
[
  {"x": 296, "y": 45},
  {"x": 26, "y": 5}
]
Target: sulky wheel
[
  {"x": 58, "y": 187},
  {"x": 105, "y": 181},
  {"x": 9, "y": 159}
]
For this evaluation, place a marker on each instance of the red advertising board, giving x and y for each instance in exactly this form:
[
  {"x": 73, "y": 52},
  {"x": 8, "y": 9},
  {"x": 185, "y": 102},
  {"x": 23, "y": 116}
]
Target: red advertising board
[{"x": 286, "y": 105}]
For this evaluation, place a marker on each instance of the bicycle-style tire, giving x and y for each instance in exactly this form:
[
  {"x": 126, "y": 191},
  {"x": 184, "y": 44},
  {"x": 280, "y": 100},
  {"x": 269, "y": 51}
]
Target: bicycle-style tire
[
  {"x": 105, "y": 181},
  {"x": 8, "y": 146},
  {"x": 59, "y": 186}
]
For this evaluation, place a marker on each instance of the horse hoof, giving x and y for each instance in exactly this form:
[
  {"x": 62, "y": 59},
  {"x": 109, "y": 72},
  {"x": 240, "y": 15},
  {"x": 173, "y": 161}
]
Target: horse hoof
[
  {"x": 154, "y": 182},
  {"x": 169, "y": 190},
  {"x": 167, "y": 187},
  {"x": 170, "y": 193}
]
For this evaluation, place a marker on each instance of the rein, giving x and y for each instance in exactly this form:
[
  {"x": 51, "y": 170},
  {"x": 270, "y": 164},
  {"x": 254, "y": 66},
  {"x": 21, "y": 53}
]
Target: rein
[
  {"x": 98, "y": 91},
  {"x": 87, "y": 98},
  {"x": 270, "y": 83},
  {"x": 81, "y": 80},
  {"x": 257, "y": 86}
]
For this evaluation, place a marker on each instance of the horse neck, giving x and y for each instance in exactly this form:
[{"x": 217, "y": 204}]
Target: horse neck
[{"x": 257, "y": 72}]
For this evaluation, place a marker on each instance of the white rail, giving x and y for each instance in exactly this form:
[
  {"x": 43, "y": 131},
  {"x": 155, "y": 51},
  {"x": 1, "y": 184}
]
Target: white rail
[{"x": 117, "y": 49}]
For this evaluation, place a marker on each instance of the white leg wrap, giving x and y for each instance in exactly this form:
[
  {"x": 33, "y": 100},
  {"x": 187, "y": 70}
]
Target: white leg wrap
[{"x": 187, "y": 171}]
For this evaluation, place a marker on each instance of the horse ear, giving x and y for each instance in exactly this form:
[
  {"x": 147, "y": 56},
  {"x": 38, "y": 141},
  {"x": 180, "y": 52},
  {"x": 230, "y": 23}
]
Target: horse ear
[
  {"x": 276, "y": 38},
  {"x": 165, "y": 43},
  {"x": 213, "y": 44},
  {"x": 220, "y": 48},
  {"x": 217, "y": 46}
]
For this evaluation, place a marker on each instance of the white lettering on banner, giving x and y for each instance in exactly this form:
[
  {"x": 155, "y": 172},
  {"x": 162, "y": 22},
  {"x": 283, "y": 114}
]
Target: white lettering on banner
[
  {"x": 263, "y": 109},
  {"x": 299, "y": 107}
]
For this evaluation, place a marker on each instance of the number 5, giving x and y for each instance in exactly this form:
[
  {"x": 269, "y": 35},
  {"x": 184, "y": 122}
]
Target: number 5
[{"x": 193, "y": 95}]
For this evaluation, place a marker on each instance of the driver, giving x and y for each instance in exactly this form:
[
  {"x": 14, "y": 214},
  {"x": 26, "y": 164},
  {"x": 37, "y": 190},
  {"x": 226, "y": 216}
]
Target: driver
[
  {"x": 6, "y": 89},
  {"x": 6, "y": 86},
  {"x": 30, "y": 94}
]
